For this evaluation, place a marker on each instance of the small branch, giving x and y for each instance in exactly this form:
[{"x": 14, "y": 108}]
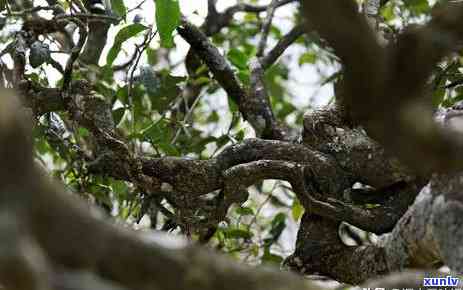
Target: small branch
[
  {"x": 243, "y": 7},
  {"x": 75, "y": 52},
  {"x": 31, "y": 11},
  {"x": 454, "y": 84},
  {"x": 19, "y": 57},
  {"x": 137, "y": 56},
  {"x": 266, "y": 27},
  {"x": 213, "y": 25},
  {"x": 288, "y": 39},
  {"x": 212, "y": 8},
  {"x": 126, "y": 65},
  {"x": 186, "y": 119},
  {"x": 81, "y": 6},
  {"x": 56, "y": 65},
  {"x": 256, "y": 111},
  {"x": 139, "y": 5},
  {"x": 90, "y": 16},
  {"x": 378, "y": 220},
  {"x": 216, "y": 62},
  {"x": 258, "y": 102}
]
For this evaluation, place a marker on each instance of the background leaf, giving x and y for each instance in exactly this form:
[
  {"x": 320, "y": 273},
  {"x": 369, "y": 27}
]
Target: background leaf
[
  {"x": 167, "y": 20},
  {"x": 118, "y": 6},
  {"x": 238, "y": 58},
  {"x": 123, "y": 35}
]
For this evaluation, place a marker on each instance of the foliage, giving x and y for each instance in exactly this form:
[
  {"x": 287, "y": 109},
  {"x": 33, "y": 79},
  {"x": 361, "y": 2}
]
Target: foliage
[{"x": 167, "y": 19}]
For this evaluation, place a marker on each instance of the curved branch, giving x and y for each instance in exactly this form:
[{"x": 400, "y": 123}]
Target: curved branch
[
  {"x": 379, "y": 220},
  {"x": 272, "y": 56},
  {"x": 261, "y": 116},
  {"x": 75, "y": 53},
  {"x": 214, "y": 25},
  {"x": 266, "y": 27}
]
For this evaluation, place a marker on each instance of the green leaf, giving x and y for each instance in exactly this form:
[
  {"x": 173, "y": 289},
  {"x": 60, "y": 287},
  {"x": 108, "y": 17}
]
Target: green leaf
[
  {"x": 40, "y": 144},
  {"x": 168, "y": 148},
  {"x": 245, "y": 211},
  {"x": 83, "y": 132},
  {"x": 277, "y": 226},
  {"x": 255, "y": 250},
  {"x": 201, "y": 81},
  {"x": 167, "y": 20},
  {"x": 438, "y": 97},
  {"x": 152, "y": 56},
  {"x": 238, "y": 58},
  {"x": 160, "y": 134},
  {"x": 240, "y": 135},
  {"x": 274, "y": 77},
  {"x": 270, "y": 258},
  {"x": 388, "y": 12},
  {"x": 123, "y": 35},
  {"x": 308, "y": 57},
  {"x": 166, "y": 91},
  {"x": 245, "y": 76},
  {"x": 222, "y": 141},
  {"x": 232, "y": 105},
  {"x": 120, "y": 188},
  {"x": 213, "y": 117},
  {"x": 238, "y": 234},
  {"x": 276, "y": 201},
  {"x": 118, "y": 114},
  {"x": 297, "y": 210},
  {"x": 119, "y": 7}
]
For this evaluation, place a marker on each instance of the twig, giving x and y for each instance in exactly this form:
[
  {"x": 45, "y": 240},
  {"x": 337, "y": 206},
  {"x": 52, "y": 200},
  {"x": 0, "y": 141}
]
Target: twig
[
  {"x": 214, "y": 24},
  {"x": 139, "y": 51},
  {"x": 88, "y": 16},
  {"x": 266, "y": 27},
  {"x": 30, "y": 11},
  {"x": 281, "y": 46},
  {"x": 242, "y": 7},
  {"x": 212, "y": 8},
  {"x": 80, "y": 5},
  {"x": 454, "y": 84},
  {"x": 186, "y": 119},
  {"x": 255, "y": 108},
  {"x": 135, "y": 8},
  {"x": 75, "y": 52},
  {"x": 127, "y": 64},
  {"x": 55, "y": 65},
  {"x": 215, "y": 61}
]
